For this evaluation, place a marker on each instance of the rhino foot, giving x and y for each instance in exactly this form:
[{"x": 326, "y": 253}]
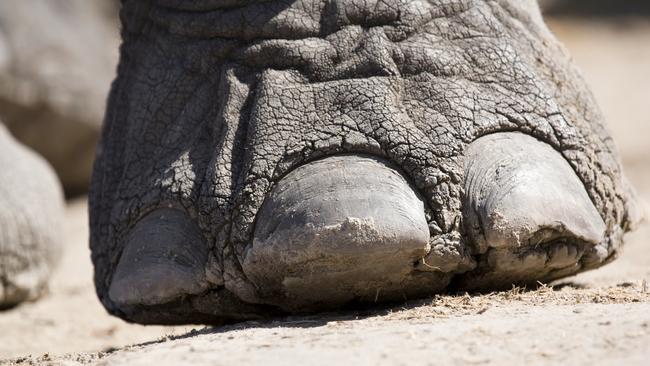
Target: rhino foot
[
  {"x": 31, "y": 209},
  {"x": 318, "y": 154}
]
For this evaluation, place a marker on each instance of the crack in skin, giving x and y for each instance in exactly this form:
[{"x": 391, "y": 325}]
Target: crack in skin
[{"x": 216, "y": 101}]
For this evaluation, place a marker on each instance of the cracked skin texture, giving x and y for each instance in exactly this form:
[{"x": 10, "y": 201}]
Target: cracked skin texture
[{"x": 215, "y": 101}]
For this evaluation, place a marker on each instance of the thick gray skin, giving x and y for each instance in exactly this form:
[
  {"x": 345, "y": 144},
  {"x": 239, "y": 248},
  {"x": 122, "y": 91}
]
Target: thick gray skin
[
  {"x": 31, "y": 213},
  {"x": 265, "y": 157},
  {"x": 57, "y": 59}
]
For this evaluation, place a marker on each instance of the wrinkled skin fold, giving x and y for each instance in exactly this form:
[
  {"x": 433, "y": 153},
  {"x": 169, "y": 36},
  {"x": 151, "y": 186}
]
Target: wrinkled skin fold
[{"x": 217, "y": 102}]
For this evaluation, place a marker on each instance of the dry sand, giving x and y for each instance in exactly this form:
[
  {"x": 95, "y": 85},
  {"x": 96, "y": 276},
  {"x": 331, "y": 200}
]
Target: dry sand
[{"x": 600, "y": 317}]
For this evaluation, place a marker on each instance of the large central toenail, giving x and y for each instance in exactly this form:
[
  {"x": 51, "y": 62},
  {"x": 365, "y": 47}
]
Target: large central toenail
[{"x": 338, "y": 229}]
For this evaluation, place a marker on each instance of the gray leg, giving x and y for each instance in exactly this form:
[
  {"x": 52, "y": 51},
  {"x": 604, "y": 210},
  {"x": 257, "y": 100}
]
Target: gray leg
[{"x": 31, "y": 212}]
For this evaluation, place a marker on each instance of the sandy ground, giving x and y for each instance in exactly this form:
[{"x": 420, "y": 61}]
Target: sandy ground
[{"x": 600, "y": 317}]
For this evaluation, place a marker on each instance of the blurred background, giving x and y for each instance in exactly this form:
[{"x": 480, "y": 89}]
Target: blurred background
[{"x": 57, "y": 60}]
